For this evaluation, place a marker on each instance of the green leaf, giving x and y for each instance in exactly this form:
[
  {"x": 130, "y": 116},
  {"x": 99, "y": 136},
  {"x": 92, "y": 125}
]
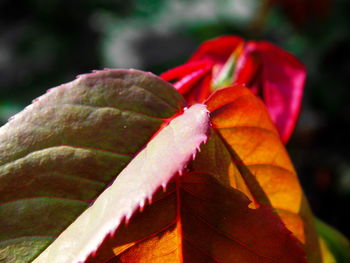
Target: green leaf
[
  {"x": 175, "y": 145},
  {"x": 336, "y": 243},
  {"x": 59, "y": 153}
]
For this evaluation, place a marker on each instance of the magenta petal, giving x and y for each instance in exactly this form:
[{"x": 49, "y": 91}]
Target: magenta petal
[
  {"x": 187, "y": 75},
  {"x": 283, "y": 78},
  {"x": 217, "y": 50},
  {"x": 185, "y": 69},
  {"x": 187, "y": 82}
]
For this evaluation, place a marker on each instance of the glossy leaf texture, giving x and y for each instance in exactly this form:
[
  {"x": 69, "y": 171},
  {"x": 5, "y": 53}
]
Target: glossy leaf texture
[
  {"x": 175, "y": 145},
  {"x": 239, "y": 201},
  {"x": 62, "y": 151}
]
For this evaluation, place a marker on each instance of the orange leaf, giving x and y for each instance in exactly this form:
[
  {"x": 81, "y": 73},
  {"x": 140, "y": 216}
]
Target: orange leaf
[
  {"x": 199, "y": 220},
  {"x": 206, "y": 215},
  {"x": 238, "y": 201},
  {"x": 246, "y": 153}
]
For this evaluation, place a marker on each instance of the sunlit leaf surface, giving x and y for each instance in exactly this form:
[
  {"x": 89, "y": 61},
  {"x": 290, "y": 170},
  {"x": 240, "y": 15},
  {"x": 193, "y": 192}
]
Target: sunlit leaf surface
[
  {"x": 59, "y": 153},
  {"x": 206, "y": 215},
  {"x": 246, "y": 153},
  {"x": 175, "y": 145}
]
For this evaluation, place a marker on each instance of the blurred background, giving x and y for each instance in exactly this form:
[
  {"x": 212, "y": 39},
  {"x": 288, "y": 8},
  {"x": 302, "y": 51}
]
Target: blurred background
[{"x": 46, "y": 43}]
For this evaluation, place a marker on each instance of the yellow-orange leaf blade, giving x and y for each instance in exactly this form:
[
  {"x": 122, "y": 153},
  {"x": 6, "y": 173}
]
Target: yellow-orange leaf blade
[
  {"x": 247, "y": 148},
  {"x": 199, "y": 220}
]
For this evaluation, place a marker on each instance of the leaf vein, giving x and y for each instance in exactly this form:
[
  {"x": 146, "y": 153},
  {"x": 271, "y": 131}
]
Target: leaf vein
[
  {"x": 247, "y": 127},
  {"x": 114, "y": 108},
  {"x": 232, "y": 238},
  {"x": 65, "y": 145}
]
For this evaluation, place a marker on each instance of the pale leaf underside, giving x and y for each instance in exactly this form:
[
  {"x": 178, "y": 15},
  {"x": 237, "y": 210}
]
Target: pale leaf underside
[
  {"x": 164, "y": 156},
  {"x": 62, "y": 151}
]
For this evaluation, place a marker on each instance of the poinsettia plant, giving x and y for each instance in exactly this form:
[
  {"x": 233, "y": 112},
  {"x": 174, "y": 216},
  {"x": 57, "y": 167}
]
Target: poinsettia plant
[{"x": 199, "y": 171}]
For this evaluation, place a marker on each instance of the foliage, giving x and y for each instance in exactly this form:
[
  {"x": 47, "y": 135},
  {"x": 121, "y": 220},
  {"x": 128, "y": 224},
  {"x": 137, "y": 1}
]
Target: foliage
[
  {"x": 241, "y": 192},
  {"x": 60, "y": 152},
  {"x": 271, "y": 73}
]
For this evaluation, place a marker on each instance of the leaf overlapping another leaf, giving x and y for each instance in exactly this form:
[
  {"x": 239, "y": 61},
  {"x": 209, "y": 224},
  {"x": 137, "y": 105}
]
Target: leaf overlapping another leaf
[
  {"x": 176, "y": 144},
  {"x": 198, "y": 220},
  {"x": 246, "y": 153},
  {"x": 205, "y": 216},
  {"x": 271, "y": 73},
  {"x": 60, "y": 152},
  {"x": 237, "y": 202}
]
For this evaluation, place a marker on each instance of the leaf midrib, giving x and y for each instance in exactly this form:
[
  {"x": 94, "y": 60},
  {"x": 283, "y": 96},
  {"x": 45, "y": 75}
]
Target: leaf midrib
[{"x": 200, "y": 218}]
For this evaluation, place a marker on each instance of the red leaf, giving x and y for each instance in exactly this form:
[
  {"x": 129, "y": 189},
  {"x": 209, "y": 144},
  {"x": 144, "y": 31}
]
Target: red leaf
[
  {"x": 271, "y": 73},
  {"x": 217, "y": 50},
  {"x": 283, "y": 78},
  {"x": 187, "y": 75}
]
